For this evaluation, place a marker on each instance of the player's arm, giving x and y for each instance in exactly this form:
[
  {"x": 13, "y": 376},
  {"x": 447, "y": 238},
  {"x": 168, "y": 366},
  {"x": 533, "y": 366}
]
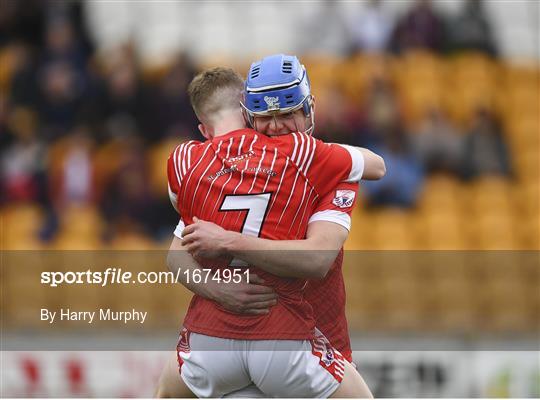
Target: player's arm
[
  {"x": 327, "y": 164},
  {"x": 308, "y": 258},
  {"x": 312, "y": 257},
  {"x": 374, "y": 167},
  {"x": 363, "y": 163},
  {"x": 243, "y": 297}
]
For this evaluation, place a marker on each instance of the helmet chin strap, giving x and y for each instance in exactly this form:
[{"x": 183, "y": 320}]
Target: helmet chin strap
[{"x": 311, "y": 118}]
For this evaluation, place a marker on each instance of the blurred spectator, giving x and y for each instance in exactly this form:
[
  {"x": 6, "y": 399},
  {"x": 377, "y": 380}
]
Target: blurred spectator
[
  {"x": 22, "y": 20},
  {"x": 6, "y": 135},
  {"x": 437, "y": 144},
  {"x": 385, "y": 135},
  {"x": 371, "y": 30},
  {"x": 23, "y": 160},
  {"x": 61, "y": 98},
  {"x": 485, "y": 151},
  {"x": 471, "y": 29},
  {"x": 127, "y": 203},
  {"x": 404, "y": 174},
  {"x": 72, "y": 170},
  {"x": 381, "y": 113},
  {"x": 173, "y": 115},
  {"x": 421, "y": 28},
  {"x": 124, "y": 94},
  {"x": 23, "y": 89},
  {"x": 336, "y": 119},
  {"x": 326, "y": 29},
  {"x": 62, "y": 45}
]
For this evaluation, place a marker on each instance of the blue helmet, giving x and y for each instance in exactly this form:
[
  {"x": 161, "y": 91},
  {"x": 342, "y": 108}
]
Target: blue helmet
[{"x": 277, "y": 84}]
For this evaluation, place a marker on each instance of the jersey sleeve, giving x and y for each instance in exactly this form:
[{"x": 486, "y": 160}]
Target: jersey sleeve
[
  {"x": 178, "y": 164},
  {"x": 337, "y": 162},
  {"x": 323, "y": 164},
  {"x": 337, "y": 205}
]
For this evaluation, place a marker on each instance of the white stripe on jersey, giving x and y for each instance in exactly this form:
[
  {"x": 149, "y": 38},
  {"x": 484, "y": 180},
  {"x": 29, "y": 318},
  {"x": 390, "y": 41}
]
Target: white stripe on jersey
[
  {"x": 279, "y": 186},
  {"x": 306, "y": 169},
  {"x": 217, "y": 177},
  {"x": 182, "y": 156},
  {"x": 253, "y": 142},
  {"x": 186, "y": 157},
  {"x": 175, "y": 165},
  {"x": 242, "y": 174},
  {"x": 193, "y": 169},
  {"x": 245, "y": 166},
  {"x": 289, "y": 199},
  {"x": 241, "y": 143},
  {"x": 257, "y": 170},
  {"x": 300, "y": 152},
  {"x": 298, "y": 210},
  {"x": 335, "y": 216},
  {"x": 357, "y": 168},
  {"x": 202, "y": 176},
  {"x": 295, "y": 146},
  {"x": 180, "y": 161},
  {"x": 306, "y": 156},
  {"x": 305, "y": 208},
  {"x": 189, "y": 154},
  {"x": 271, "y": 169}
]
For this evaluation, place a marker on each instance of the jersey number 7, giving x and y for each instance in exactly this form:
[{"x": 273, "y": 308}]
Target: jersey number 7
[{"x": 256, "y": 206}]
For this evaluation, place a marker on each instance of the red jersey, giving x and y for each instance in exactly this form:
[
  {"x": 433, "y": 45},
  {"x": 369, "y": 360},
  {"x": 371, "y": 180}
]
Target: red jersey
[
  {"x": 262, "y": 186},
  {"x": 327, "y": 296}
]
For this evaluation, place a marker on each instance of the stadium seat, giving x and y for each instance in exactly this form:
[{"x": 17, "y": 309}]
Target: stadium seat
[
  {"x": 419, "y": 76},
  {"x": 359, "y": 71},
  {"x": 81, "y": 228},
  {"x": 21, "y": 224},
  {"x": 491, "y": 194},
  {"x": 495, "y": 232},
  {"x": 322, "y": 71},
  {"x": 392, "y": 230},
  {"x": 440, "y": 192},
  {"x": 441, "y": 229},
  {"x": 132, "y": 241}
]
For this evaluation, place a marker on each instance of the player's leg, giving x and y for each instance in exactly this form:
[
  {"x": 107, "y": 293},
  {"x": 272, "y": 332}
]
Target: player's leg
[
  {"x": 171, "y": 384},
  {"x": 212, "y": 366},
  {"x": 303, "y": 368},
  {"x": 352, "y": 385},
  {"x": 292, "y": 368}
]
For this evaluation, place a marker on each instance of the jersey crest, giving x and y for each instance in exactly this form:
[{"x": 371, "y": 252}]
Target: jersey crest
[{"x": 344, "y": 198}]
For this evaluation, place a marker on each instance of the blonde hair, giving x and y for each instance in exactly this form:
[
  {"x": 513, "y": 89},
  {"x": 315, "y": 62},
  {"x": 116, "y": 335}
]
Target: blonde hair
[{"x": 214, "y": 90}]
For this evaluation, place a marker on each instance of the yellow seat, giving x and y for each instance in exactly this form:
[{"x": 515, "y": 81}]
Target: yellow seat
[
  {"x": 133, "y": 241},
  {"x": 441, "y": 229},
  {"x": 81, "y": 228},
  {"x": 391, "y": 230},
  {"x": 20, "y": 227},
  {"x": 491, "y": 194},
  {"x": 441, "y": 192}
]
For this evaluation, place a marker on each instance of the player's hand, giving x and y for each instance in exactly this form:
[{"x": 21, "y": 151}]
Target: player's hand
[
  {"x": 245, "y": 298},
  {"x": 204, "y": 239}
]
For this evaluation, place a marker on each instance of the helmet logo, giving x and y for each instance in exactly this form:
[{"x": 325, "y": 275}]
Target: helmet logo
[{"x": 272, "y": 103}]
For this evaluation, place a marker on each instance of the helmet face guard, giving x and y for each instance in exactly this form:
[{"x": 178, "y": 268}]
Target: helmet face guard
[{"x": 277, "y": 85}]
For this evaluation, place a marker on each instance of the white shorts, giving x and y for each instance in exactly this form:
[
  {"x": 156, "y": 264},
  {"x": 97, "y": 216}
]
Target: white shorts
[{"x": 218, "y": 367}]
